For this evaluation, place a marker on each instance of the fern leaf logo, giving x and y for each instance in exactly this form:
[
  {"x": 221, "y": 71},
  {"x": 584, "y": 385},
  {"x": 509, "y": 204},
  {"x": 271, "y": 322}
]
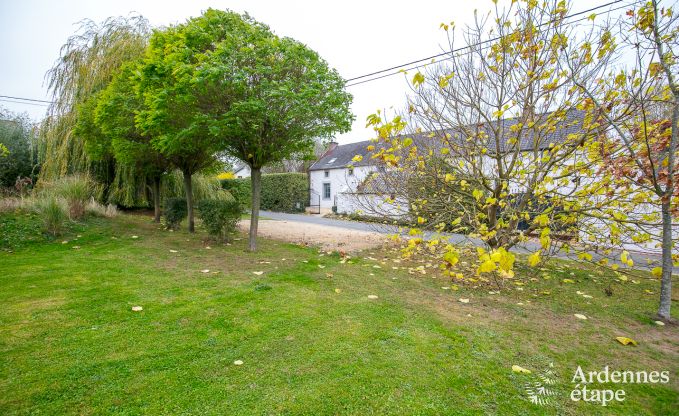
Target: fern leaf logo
[{"x": 540, "y": 389}]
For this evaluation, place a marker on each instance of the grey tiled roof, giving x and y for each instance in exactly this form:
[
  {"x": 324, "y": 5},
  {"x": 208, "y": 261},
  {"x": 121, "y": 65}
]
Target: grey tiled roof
[{"x": 342, "y": 156}]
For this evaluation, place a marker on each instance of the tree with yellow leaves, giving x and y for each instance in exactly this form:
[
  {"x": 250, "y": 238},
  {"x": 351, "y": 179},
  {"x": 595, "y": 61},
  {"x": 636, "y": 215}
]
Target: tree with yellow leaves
[
  {"x": 640, "y": 104},
  {"x": 496, "y": 139}
]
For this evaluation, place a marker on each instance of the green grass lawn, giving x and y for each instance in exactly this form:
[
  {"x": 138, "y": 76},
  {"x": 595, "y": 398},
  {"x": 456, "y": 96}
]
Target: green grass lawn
[{"x": 311, "y": 341}]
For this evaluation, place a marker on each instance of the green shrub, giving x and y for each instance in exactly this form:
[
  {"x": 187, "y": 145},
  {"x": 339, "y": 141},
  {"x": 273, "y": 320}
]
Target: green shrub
[
  {"x": 53, "y": 211},
  {"x": 175, "y": 212},
  {"x": 281, "y": 192},
  {"x": 220, "y": 217},
  {"x": 240, "y": 190}
]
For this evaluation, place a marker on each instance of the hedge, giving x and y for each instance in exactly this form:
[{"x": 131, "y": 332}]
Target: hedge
[{"x": 281, "y": 192}]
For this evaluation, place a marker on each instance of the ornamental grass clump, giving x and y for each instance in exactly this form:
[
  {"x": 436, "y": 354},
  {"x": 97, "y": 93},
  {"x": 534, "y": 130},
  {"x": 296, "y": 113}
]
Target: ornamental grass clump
[
  {"x": 54, "y": 212},
  {"x": 76, "y": 190}
]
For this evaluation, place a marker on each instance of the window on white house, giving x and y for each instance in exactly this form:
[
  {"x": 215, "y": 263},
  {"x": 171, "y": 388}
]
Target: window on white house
[
  {"x": 326, "y": 191},
  {"x": 327, "y": 173},
  {"x": 351, "y": 171}
]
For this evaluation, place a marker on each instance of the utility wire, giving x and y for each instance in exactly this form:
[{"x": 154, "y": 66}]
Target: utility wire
[
  {"x": 409, "y": 65},
  {"x": 23, "y": 102},
  {"x": 26, "y": 99},
  {"x": 429, "y": 58}
]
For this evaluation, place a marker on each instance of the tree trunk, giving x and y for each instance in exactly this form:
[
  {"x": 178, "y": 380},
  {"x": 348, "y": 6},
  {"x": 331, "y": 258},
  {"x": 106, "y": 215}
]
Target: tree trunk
[
  {"x": 188, "y": 187},
  {"x": 156, "y": 199},
  {"x": 256, "y": 181},
  {"x": 666, "y": 282}
]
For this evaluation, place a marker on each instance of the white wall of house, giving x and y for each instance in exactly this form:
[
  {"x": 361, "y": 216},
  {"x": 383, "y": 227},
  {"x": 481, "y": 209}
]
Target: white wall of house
[
  {"x": 243, "y": 172},
  {"x": 339, "y": 180}
]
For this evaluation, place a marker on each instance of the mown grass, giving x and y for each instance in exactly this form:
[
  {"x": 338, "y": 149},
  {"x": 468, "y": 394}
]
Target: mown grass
[{"x": 311, "y": 341}]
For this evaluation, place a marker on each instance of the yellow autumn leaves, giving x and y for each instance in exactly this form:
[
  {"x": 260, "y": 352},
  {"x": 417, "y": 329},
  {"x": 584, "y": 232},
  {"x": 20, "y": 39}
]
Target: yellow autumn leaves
[{"x": 499, "y": 260}]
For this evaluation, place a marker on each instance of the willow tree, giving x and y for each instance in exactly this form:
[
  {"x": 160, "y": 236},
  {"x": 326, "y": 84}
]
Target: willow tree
[
  {"x": 225, "y": 82},
  {"x": 494, "y": 138},
  {"x": 88, "y": 61}
]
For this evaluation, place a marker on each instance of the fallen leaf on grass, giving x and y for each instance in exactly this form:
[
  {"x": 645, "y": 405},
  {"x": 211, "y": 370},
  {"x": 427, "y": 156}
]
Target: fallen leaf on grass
[
  {"x": 376, "y": 267},
  {"x": 625, "y": 341},
  {"x": 137, "y": 308},
  {"x": 464, "y": 300},
  {"x": 338, "y": 290},
  {"x": 329, "y": 275},
  {"x": 205, "y": 271},
  {"x": 173, "y": 251},
  {"x": 518, "y": 369},
  {"x": 134, "y": 236},
  {"x": 372, "y": 297},
  {"x": 320, "y": 266},
  {"x": 238, "y": 362},
  {"x": 659, "y": 323},
  {"x": 580, "y": 316},
  {"x": 568, "y": 281},
  {"x": 258, "y": 273}
]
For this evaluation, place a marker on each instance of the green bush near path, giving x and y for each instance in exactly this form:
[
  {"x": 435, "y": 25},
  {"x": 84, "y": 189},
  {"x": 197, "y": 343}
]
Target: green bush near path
[
  {"x": 220, "y": 217},
  {"x": 281, "y": 192}
]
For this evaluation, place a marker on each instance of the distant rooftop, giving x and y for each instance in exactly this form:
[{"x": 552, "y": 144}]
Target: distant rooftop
[{"x": 341, "y": 156}]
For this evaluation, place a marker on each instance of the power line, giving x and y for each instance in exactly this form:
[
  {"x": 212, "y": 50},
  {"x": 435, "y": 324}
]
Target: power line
[
  {"x": 31, "y": 101},
  {"x": 23, "y": 102},
  {"x": 26, "y": 99},
  {"x": 429, "y": 58}
]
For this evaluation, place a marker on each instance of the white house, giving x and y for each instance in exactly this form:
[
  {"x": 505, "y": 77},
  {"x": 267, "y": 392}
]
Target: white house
[
  {"x": 337, "y": 183},
  {"x": 331, "y": 176}
]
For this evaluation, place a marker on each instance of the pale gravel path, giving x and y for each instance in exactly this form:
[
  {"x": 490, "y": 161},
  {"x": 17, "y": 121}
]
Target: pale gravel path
[
  {"x": 327, "y": 237},
  {"x": 324, "y": 230}
]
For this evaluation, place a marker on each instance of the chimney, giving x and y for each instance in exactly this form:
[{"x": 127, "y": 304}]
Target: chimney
[{"x": 331, "y": 146}]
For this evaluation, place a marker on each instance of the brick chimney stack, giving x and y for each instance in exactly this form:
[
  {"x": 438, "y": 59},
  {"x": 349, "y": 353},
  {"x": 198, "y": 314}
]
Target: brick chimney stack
[{"x": 331, "y": 146}]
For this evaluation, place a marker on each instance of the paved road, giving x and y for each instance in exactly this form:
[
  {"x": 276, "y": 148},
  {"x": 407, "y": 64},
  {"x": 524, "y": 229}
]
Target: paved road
[{"x": 640, "y": 259}]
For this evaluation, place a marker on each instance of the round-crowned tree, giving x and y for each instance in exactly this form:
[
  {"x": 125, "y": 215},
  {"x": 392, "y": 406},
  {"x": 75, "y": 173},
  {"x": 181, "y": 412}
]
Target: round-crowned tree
[{"x": 223, "y": 82}]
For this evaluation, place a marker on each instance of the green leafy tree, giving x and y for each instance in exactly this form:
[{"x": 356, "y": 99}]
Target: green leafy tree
[
  {"x": 224, "y": 82},
  {"x": 17, "y": 149},
  {"x": 171, "y": 114},
  {"x": 265, "y": 98},
  {"x": 114, "y": 117}
]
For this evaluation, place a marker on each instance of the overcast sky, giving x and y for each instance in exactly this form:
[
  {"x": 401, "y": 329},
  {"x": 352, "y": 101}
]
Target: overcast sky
[{"x": 355, "y": 37}]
